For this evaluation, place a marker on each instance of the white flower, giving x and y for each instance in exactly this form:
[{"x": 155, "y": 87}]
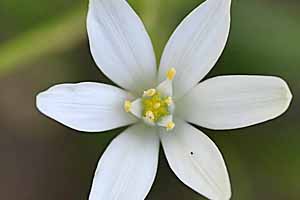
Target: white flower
[{"x": 159, "y": 104}]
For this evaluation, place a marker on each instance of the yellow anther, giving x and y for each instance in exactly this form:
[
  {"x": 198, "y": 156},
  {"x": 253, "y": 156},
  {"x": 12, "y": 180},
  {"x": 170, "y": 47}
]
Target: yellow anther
[
  {"x": 156, "y": 105},
  {"x": 150, "y": 92},
  {"x": 127, "y": 106},
  {"x": 171, "y": 73},
  {"x": 150, "y": 116},
  {"x": 170, "y": 125},
  {"x": 169, "y": 101}
]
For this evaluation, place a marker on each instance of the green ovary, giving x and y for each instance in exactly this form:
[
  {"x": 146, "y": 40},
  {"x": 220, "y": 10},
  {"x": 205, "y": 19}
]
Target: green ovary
[{"x": 157, "y": 105}]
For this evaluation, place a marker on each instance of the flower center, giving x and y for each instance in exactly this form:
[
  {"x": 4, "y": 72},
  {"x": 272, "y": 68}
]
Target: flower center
[{"x": 156, "y": 105}]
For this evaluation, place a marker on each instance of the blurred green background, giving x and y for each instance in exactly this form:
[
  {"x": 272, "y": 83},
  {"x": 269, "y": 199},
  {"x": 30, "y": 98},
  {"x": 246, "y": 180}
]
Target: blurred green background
[{"x": 43, "y": 43}]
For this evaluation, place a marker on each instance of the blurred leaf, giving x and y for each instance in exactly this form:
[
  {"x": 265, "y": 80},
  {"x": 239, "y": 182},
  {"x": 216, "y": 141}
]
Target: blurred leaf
[
  {"x": 262, "y": 41},
  {"x": 57, "y": 36}
]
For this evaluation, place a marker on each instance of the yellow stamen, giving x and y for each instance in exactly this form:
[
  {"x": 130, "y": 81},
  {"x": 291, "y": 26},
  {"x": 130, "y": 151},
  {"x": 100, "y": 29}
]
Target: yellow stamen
[
  {"x": 171, "y": 73},
  {"x": 170, "y": 125},
  {"x": 169, "y": 101},
  {"x": 156, "y": 105},
  {"x": 150, "y": 116},
  {"x": 150, "y": 92},
  {"x": 127, "y": 106}
]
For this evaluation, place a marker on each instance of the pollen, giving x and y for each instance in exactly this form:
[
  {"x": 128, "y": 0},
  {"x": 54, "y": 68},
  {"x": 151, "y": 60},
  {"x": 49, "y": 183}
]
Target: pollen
[
  {"x": 170, "y": 126},
  {"x": 127, "y": 106},
  {"x": 171, "y": 73},
  {"x": 150, "y": 116},
  {"x": 150, "y": 92}
]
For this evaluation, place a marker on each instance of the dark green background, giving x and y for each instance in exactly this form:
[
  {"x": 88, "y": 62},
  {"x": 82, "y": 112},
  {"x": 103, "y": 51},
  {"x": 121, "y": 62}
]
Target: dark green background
[{"x": 41, "y": 159}]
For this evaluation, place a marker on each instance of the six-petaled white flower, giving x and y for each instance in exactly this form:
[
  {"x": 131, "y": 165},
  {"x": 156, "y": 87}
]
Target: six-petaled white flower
[{"x": 160, "y": 103}]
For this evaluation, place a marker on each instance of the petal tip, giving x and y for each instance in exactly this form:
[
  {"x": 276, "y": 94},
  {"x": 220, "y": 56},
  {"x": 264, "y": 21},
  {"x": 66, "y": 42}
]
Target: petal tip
[
  {"x": 289, "y": 94},
  {"x": 38, "y": 101},
  {"x": 286, "y": 94}
]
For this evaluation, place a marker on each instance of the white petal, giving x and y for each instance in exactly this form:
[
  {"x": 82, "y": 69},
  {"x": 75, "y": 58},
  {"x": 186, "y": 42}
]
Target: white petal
[
  {"x": 228, "y": 102},
  {"x": 127, "y": 168},
  {"x": 91, "y": 107},
  {"x": 196, "y": 161},
  {"x": 196, "y": 44},
  {"x": 120, "y": 44}
]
